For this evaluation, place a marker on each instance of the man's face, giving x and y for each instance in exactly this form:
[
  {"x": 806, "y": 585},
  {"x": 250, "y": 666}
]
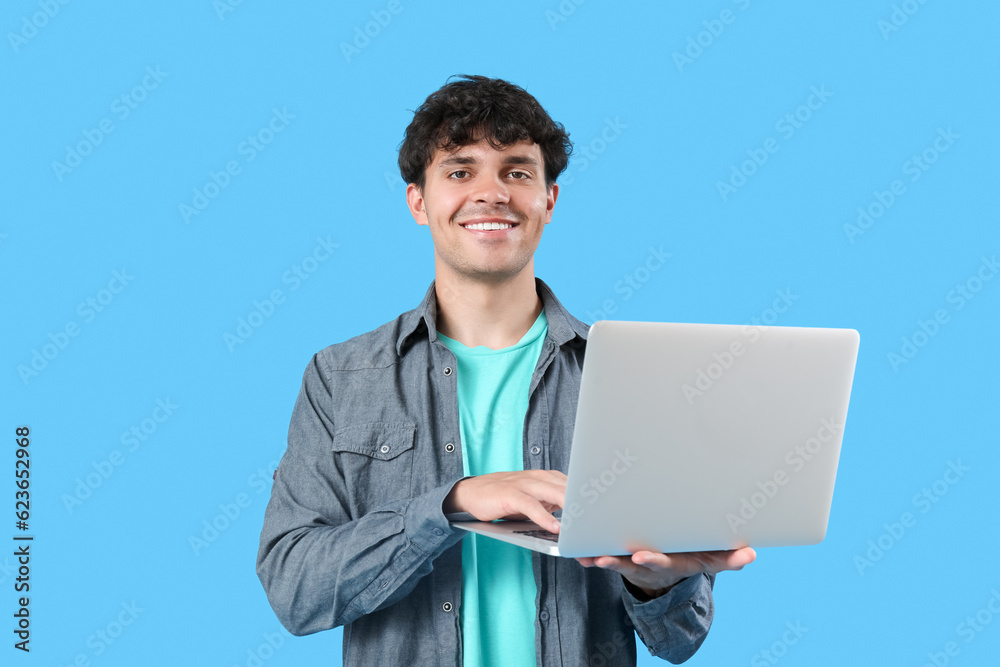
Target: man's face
[{"x": 486, "y": 209}]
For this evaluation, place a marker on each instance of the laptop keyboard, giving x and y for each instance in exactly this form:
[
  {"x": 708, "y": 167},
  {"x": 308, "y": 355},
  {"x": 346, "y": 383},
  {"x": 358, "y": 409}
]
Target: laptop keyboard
[{"x": 544, "y": 534}]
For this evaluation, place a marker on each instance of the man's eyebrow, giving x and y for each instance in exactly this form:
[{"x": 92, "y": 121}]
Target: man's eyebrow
[
  {"x": 521, "y": 159},
  {"x": 456, "y": 160}
]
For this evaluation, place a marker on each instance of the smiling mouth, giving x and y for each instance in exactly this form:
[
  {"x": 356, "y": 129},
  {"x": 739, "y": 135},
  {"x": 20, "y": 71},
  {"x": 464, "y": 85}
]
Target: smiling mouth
[{"x": 489, "y": 226}]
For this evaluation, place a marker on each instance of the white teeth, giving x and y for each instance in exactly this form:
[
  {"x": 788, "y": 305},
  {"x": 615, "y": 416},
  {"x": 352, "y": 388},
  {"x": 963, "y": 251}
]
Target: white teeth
[{"x": 487, "y": 226}]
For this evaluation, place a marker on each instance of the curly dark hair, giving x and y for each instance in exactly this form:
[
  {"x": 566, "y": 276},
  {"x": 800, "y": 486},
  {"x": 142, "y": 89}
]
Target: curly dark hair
[{"x": 465, "y": 111}]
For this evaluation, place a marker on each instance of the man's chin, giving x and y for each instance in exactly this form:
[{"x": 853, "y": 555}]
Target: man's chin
[{"x": 494, "y": 275}]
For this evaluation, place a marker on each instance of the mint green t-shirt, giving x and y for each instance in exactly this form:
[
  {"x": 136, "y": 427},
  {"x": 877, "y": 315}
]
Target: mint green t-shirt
[{"x": 498, "y": 585}]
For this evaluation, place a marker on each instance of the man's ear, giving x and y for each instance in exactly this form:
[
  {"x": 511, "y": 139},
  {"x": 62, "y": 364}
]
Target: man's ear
[
  {"x": 550, "y": 201},
  {"x": 415, "y": 202}
]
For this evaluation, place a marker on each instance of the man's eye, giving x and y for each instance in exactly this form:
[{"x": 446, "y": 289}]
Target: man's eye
[
  {"x": 458, "y": 174},
  {"x": 520, "y": 175}
]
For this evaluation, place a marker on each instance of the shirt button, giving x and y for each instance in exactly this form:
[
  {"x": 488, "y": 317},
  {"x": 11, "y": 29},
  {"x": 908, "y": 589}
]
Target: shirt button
[
  {"x": 446, "y": 606},
  {"x": 536, "y": 450},
  {"x": 437, "y": 531},
  {"x": 450, "y": 447},
  {"x": 447, "y": 370},
  {"x": 544, "y": 616},
  {"x": 384, "y": 449}
]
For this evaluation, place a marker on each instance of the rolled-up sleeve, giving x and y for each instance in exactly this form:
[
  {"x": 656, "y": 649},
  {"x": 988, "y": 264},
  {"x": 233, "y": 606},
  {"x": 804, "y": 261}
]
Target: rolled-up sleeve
[
  {"x": 674, "y": 625},
  {"x": 319, "y": 566}
]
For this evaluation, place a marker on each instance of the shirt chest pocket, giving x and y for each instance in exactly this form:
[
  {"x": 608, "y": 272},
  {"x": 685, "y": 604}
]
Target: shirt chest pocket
[{"x": 376, "y": 462}]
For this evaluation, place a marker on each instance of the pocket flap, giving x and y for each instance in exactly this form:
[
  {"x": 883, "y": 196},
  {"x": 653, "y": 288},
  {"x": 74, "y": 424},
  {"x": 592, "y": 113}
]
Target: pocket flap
[{"x": 378, "y": 440}]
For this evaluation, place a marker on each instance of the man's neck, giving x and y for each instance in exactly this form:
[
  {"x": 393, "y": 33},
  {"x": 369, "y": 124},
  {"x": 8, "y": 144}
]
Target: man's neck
[{"x": 496, "y": 315}]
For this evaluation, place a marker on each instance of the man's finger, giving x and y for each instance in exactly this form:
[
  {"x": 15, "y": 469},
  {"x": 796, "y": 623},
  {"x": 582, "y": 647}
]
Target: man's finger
[
  {"x": 653, "y": 560},
  {"x": 740, "y": 558},
  {"x": 535, "y": 511}
]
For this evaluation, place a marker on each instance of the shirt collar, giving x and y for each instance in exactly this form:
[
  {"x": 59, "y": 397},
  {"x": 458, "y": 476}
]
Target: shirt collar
[{"x": 563, "y": 327}]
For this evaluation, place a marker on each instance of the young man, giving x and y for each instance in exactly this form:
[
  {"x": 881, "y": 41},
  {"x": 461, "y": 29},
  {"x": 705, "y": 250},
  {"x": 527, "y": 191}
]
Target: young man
[{"x": 464, "y": 408}]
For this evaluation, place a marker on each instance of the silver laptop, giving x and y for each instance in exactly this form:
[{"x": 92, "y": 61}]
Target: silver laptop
[{"x": 697, "y": 437}]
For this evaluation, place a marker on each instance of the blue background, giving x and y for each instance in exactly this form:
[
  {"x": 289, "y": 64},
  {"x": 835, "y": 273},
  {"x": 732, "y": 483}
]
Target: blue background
[{"x": 683, "y": 126}]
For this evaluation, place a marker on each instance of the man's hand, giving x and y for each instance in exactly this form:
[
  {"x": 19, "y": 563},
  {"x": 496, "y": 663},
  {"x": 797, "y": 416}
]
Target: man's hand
[
  {"x": 656, "y": 573},
  {"x": 518, "y": 495}
]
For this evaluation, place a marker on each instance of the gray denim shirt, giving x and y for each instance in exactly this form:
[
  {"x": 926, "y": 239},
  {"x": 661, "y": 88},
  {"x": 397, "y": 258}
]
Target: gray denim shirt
[{"x": 354, "y": 533}]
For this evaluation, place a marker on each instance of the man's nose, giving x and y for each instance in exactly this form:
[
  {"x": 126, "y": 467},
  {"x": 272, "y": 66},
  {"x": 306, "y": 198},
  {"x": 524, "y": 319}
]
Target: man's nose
[{"x": 491, "y": 190}]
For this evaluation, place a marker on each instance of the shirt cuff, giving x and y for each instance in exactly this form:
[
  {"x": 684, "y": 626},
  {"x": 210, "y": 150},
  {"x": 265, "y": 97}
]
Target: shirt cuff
[
  {"x": 680, "y": 617},
  {"x": 426, "y": 525}
]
